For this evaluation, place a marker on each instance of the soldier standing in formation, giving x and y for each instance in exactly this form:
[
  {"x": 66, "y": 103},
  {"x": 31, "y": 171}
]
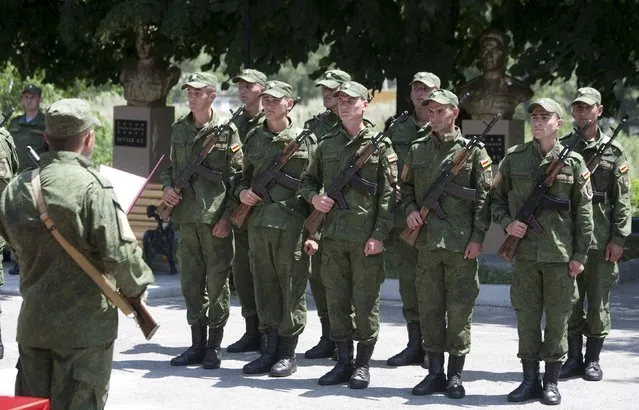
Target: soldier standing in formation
[
  {"x": 275, "y": 228},
  {"x": 612, "y": 216},
  {"x": 66, "y": 326},
  {"x": 250, "y": 84},
  {"x": 329, "y": 81},
  {"x": 547, "y": 262},
  {"x": 402, "y": 136},
  {"x": 352, "y": 239},
  {"x": 205, "y": 247},
  {"x": 447, "y": 269}
]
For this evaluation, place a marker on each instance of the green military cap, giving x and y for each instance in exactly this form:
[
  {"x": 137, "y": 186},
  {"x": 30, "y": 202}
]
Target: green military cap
[
  {"x": 547, "y": 104},
  {"x": 251, "y": 76},
  {"x": 201, "y": 80},
  {"x": 278, "y": 89},
  {"x": 587, "y": 95},
  {"x": 428, "y": 79},
  {"x": 442, "y": 97},
  {"x": 68, "y": 117},
  {"x": 333, "y": 78},
  {"x": 32, "y": 89},
  {"x": 352, "y": 89}
]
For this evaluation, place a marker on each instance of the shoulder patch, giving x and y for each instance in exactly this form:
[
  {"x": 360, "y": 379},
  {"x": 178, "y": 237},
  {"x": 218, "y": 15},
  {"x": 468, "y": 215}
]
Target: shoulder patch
[
  {"x": 624, "y": 168},
  {"x": 392, "y": 157},
  {"x": 485, "y": 162},
  {"x": 235, "y": 147},
  {"x": 585, "y": 175}
]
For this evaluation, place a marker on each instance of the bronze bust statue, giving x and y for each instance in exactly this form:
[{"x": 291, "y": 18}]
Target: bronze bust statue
[
  {"x": 147, "y": 80},
  {"x": 494, "y": 91}
]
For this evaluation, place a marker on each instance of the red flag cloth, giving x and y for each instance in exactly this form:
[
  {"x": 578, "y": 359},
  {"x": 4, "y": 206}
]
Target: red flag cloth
[{"x": 23, "y": 403}]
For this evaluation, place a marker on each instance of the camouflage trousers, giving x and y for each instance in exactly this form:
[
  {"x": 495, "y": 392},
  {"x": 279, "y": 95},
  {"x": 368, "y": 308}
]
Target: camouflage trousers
[
  {"x": 205, "y": 263},
  {"x": 594, "y": 284},
  {"x": 280, "y": 273},
  {"x": 447, "y": 287},
  {"x": 317, "y": 286},
  {"x": 242, "y": 275},
  {"x": 406, "y": 262},
  {"x": 352, "y": 282},
  {"x": 542, "y": 288},
  {"x": 70, "y": 378}
]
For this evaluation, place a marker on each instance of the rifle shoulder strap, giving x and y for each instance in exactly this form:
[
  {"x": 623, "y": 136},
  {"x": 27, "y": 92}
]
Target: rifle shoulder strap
[{"x": 106, "y": 287}]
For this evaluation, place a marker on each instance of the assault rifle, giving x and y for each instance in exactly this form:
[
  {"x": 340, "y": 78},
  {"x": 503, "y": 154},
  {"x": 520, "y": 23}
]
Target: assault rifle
[
  {"x": 444, "y": 184},
  {"x": 595, "y": 160},
  {"x": 540, "y": 198},
  {"x": 6, "y": 116},
  {"x": 272, "y": 175},
  {"x": 349, "y": 176},
  {"x": 195, "y": 167}
]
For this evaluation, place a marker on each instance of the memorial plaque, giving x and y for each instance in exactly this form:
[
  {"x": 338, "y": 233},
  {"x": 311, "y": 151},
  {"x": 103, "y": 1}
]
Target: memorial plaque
[
  {"x": 495, "y": 146},
  {"x": 129, "y": 133}
]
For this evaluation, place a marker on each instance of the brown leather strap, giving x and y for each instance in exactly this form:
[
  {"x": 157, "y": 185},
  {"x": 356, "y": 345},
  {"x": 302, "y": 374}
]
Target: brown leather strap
[{"x": 106, "y": 287}]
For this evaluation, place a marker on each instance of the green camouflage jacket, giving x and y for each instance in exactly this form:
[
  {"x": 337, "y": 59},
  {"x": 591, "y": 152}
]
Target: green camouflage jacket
[
  {"x": 245, "y": 125},
  {"x": 367, "y": 216},
  {"x": 613, "y": 217},
  {"x": 209, "y": 200},
  {"x": 324, "y": 126},
  {"x": 466, "y": 220},
  {"x": 28, "y": 133},
  {"x": 566, "y": 234},
  {"x": 8, "y": 169},
  {"x": 261, "y": 149},
  {"x": 61, "y": 305}
]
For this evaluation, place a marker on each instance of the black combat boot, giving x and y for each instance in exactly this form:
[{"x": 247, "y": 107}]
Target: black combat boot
[
  {"x": 286, "y": 365},
  {"x": 212, "y": 356},
  {"x": 530, "y": 388},
  {"x": 250, "y": 341},
  {"x": 551, "y": 394},
  {"x": 574, "y": 365},
  {"x": 361, "y": 375},
  {"x": 455, "y": 388},
  {"x": 264, "y": 363},
  {"x": 343, "y": 369},
  {"x": 195, "y": 353},
  {"x": 413, "y": 354},
  {"x": 435, "y": 381},
  {"x": 325, "y": 347},
  {"x": 593, "y": 371},
  {"x": 15, "y": 270}
]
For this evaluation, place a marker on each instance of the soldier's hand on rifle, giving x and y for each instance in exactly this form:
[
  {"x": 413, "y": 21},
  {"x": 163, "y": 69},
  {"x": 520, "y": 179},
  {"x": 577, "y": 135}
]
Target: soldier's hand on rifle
[
  {"x": 373, "y": 247},
  {"x": 170, "y": 197},
  {"x": 250, "y": 198},
  {"x": 323, "y": 203},
  {"x": 517, "y": 229},
  {"x": 613, "y": 252},
  {"x": 311, "y": 246},
  {"x": 473, "y": 250},
  {"x": 575, "y": 268},
  {"x": 222, "y": 228},
  {"x": 414, "y": 220}
]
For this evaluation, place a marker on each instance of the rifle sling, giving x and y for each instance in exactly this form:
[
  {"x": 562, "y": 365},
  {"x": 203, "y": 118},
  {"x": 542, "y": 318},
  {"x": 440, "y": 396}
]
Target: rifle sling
[{"x": 106, "y": 287}]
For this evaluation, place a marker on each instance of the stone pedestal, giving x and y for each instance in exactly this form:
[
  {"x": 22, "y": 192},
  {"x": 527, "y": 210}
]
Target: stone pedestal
[
  {"x": 140, "y": 136},
  {"x": 502, "y": 136}
]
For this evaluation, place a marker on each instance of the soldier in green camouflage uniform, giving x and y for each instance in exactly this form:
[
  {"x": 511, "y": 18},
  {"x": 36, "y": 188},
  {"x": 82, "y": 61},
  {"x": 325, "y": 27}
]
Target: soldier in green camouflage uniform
[
  {"x": 329, "y": 81},
  {"x": 546, "y": 263},
  {"x": 403, "y": 135},
  {"x": 447, "y": 269},
  {"x": 205, "y": 247},
  {"x": 8, "y": 168},
  {"x": 250, "y": 84},
  {"x": 275, "y": 227},
  {"x": 66, "y": 326},
  {"x": 352, "y": 239},
  {"x": 612, "y": 217}
]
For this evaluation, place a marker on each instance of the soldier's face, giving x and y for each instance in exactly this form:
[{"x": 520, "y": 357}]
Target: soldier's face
[
  {"x": 442, "y": 117},
  {"x": 200, "y": 99},
  {"x": 275, "y": 108},
  {"x": 544, "y": 124},
  {"x": 330, "y": 101},
  {"x": 419, "y": 92},
  {"x": 351, "y": 108},
  {"x": 492, "y": 55},
  {"x": 249, "y": 92},
  {"x": 583, "y": 112},
  {"x": 31, "y": 102}
]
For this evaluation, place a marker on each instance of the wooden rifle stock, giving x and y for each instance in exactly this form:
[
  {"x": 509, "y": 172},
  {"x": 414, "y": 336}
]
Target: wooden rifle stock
[
  {"x": 314, "y": 221},
  {"x": 241, "y": 214},
  {"x": 508, "y": 248},
  {"x": 146, "y": 321},
  {"x": 410, "y": 235}
]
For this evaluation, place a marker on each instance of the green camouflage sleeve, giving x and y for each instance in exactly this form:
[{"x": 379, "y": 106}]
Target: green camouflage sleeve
[
  {"x": 110, "y": 233},
  {"x": 167, "y": 174},
  {"x": 409, "y": 202},
  {"x": 498, "y": 201},
  {"x": 235, "y": 163},
  {"x": 582, "y": 211},
  {"x": 483, "y": 177},
  {"x": 387, "y": 178},
  {"x": 621, "y": 209},
  {"x": 312, "y": 178}
]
